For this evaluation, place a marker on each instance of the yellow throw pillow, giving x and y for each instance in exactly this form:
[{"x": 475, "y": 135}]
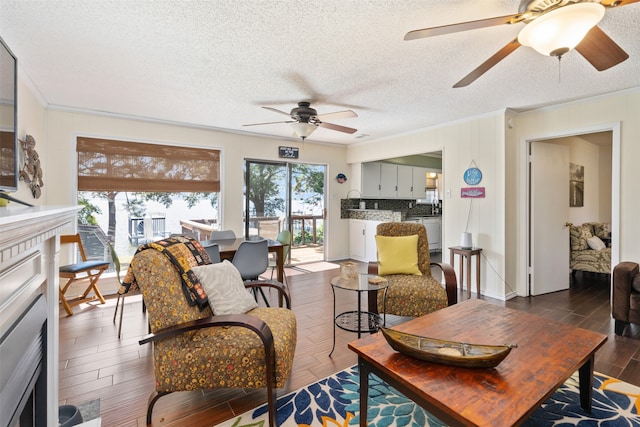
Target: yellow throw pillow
[{"x": 398, "y": 255}]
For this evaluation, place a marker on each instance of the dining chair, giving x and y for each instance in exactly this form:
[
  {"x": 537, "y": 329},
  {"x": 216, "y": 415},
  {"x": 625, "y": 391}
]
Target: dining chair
[
  {"x": 222, "y": 235},
  {"x": 121, "y": 294},
  {"x": 212, "y": 249},
  {"x": 252, "y": 259},
  {"x": 284, "y": 237},
  {"x": 83, "y": 271}
]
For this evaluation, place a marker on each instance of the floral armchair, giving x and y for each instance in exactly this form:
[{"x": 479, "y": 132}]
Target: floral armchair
[
  {"x": 194, "y": 349},
  {"x": 588, "y": 250},
  {"x": 416, "y": 293}
]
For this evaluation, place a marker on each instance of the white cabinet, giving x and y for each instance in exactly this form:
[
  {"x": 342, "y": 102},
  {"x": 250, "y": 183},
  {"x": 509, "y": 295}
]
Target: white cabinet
[
  {"x": 379, "y": 180},
  {"x": 388, "y": 180},
  {"x": 362, "y": 241},
  {"x": 419, "y": 177},
  {"x": 371, "y": 179},
  {"x": 434, "y": 232},
  {"x": 405, "y": 182},
  {"x": 357, "y": 239}
]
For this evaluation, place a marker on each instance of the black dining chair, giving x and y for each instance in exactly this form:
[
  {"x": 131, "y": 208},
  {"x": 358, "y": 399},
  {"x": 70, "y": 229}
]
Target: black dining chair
[{"x": 252, "y": 259}]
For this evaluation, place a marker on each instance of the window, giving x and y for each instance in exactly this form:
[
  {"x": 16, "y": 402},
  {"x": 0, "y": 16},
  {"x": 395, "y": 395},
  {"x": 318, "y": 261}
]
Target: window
[
  {"x": 108, "y": 165},
  {"x": 121, "y": 183}
]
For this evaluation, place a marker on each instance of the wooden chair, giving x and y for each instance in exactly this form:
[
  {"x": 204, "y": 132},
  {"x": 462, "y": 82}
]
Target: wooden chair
[{"x": 84, "y": 271}]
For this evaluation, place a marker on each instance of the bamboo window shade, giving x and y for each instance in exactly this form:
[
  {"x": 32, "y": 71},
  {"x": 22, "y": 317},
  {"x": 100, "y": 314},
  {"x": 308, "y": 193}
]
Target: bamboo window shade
[{"x": 110, "y": 165}]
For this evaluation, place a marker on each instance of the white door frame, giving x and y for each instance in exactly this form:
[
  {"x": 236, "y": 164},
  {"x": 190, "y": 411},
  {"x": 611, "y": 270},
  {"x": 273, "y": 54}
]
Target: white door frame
[{"x": 614, "y": 128}]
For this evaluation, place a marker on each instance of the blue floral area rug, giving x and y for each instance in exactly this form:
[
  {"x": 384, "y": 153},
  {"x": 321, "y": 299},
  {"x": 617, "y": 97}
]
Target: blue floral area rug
[{"x": 334, "y": 401}]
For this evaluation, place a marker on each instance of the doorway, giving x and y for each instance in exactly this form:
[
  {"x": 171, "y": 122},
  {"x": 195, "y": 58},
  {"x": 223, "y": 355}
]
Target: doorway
[
  {"x": 599, "y": 149},
  {"x": 287, "y": 196}
]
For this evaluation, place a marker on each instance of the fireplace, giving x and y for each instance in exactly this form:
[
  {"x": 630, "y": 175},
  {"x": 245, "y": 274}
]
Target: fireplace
[
  {"x": 23, "y": 397},
  {"x": 29, "y": 246}
]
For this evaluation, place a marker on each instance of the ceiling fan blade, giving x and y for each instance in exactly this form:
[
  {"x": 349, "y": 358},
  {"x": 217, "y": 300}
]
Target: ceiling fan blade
[
  {"x": 462, "y": 26},
  {"x": 276, "y": 110},
  {"x": 489, "y": 63},
  {"x": 617, "y": 3},
  {"x": 346, "y": 114},
  {"x": 269, "y": 123},
  {"x": 600, "y": 50},
  {"x": 337, "y": 127}
]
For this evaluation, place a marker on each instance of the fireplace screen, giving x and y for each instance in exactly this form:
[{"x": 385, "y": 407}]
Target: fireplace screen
[{"x": 23, "y": 388}]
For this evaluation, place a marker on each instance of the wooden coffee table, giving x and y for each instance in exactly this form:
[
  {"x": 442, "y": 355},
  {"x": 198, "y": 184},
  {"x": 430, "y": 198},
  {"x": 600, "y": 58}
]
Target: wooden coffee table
[{"x": 548, "y": 353}]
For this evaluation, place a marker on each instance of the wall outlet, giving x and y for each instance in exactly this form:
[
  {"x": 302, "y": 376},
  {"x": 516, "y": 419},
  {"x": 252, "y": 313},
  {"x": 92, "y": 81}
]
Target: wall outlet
[
  {"x": 449, "y": 193},
  {"x": 410, "y": 205}
]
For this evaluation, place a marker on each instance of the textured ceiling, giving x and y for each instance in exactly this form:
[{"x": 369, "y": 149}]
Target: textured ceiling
[{"x": 215, "y": 63}]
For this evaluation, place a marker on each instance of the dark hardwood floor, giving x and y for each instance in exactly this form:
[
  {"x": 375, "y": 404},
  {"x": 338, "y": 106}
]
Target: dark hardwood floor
[{"x": 95, "y": 364}]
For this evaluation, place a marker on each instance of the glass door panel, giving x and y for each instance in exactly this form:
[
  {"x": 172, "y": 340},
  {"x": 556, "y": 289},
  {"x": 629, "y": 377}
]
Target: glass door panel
[
  {"x": 287, "y": 196},
  {"x": 307, "y": 212},
  {"x": 266, "y": 195}
]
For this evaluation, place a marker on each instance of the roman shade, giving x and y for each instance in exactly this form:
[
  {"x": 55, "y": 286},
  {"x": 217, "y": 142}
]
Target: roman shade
[{"x": 111, "y": 165}]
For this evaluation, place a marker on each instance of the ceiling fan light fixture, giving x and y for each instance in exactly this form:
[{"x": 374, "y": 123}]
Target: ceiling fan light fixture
[
  {"x": 303, "y": 129},
  {"x": 562, "y": 29}
]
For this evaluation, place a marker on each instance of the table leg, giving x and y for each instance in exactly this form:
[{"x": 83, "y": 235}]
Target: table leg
[
  {"x": 585, "y": 376},
  {"x": 364, "y": 369},
  {"x": 333, "y": 347},
  {"x": 478, "y": 276},
  {"x": 359, "y": 314},
  {"x": 461, "y": 272},
  {"x": 280, "y": 268},
  {"x": 468, "y": 259}
]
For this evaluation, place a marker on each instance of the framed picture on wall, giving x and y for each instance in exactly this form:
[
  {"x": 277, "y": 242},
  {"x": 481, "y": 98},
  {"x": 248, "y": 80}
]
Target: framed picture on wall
[{"x": 576, "y": 185}]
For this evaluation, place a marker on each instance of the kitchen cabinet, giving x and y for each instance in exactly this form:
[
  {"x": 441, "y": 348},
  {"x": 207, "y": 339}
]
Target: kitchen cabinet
[
  {"x": 405, "y": 182},
  {"x": 419, "y": 182},
  {"x": 371, "y": 179},
  {"x": 362, "y": 241},
  {"x": 379, "y": 180},
  {"x": 388, "y": 180},
  {"x": 357, "y": 239}
]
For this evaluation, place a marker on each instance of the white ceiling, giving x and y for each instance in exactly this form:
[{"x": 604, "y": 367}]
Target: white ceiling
[{"x": 215, "y": 63}]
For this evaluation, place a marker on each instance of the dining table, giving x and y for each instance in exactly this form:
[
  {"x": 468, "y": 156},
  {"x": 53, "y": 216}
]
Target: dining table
[{"x": 228, "y": 248}]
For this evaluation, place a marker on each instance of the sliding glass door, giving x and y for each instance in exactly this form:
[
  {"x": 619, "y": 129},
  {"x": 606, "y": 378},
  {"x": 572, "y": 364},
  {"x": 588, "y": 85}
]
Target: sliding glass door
[{"x": 280, "y": 195}]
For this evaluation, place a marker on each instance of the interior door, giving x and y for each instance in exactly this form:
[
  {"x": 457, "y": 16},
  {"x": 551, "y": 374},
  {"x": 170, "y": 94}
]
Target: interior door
[{"x": 548, "y": 233}]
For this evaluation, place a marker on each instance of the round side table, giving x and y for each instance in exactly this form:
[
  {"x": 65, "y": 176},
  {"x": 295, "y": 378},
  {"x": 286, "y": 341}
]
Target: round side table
[{"x": 358, "y": 321}]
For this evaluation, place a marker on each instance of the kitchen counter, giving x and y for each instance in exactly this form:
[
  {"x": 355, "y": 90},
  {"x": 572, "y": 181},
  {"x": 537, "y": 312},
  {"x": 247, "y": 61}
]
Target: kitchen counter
[{"x": 374, "y": 215}]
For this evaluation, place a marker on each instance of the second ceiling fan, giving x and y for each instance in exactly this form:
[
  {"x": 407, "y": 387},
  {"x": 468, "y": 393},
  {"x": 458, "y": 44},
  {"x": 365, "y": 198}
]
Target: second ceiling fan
[
  {"x": 548, "y": 19},
  {"x": 305, "y": 119}
]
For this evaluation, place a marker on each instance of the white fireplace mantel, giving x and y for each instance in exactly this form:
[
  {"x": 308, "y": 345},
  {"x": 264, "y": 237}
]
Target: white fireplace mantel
[{"x": 29, "y": 247}]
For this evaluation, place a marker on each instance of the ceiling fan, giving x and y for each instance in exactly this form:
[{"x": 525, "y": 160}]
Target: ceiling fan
[
  {"x": 544, "y": 18},
  {"x": 305, "y": 120}
]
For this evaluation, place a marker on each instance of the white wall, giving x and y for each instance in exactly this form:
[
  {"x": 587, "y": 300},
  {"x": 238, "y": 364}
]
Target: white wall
[
  {"x": 480, "y": 140},
  {"x": 32, "y": 121},
  {"x": 597, "y": 178},
  {"x": 56, "y": 131},
  {"x": 618, "y": 111}
]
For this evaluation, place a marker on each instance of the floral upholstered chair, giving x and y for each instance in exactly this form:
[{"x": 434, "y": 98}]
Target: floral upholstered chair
[
  {"x": 403, "y": 259},
  {"x": 201, "y": 346},
  {"x": 588, "y": 250}
]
